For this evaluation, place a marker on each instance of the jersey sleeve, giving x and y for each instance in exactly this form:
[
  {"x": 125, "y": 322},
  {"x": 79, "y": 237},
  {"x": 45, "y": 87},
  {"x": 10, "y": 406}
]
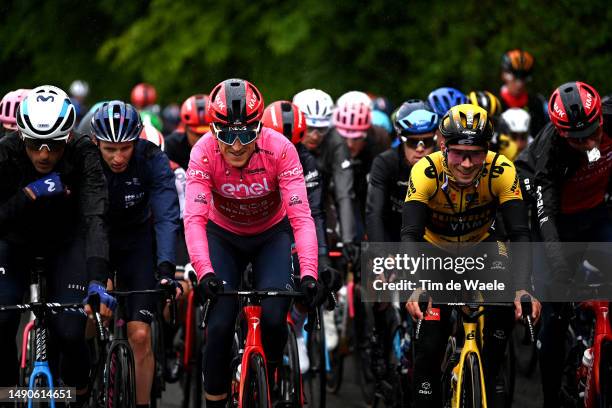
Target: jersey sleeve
[
  {"x": 295, "y": 200},
  {"x": 165, "y": 206},
  {"x": 422, "y": 184},
  {"x": 375, "y": 201},
  {"x": 198, "y": 200},
  {"x": 505, "y": 180}
]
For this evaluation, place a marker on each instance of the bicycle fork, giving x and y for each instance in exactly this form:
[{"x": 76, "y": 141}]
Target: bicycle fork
[
  {"x": 470, "y": 346},
  {"x": 41, "y": 364}
]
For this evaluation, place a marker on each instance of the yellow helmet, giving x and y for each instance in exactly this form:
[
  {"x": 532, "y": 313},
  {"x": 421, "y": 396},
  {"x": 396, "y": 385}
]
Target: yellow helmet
[
  {"x": 466, "y": 124},
  {"x": 487, "y": 101}
]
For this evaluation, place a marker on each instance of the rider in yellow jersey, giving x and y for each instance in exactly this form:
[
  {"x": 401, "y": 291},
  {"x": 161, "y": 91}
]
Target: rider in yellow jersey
[{"x": 453, "y": 196}]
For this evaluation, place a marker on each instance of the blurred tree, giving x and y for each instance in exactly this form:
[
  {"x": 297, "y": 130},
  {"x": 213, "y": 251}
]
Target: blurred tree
[{"x": 390, "y": 47}]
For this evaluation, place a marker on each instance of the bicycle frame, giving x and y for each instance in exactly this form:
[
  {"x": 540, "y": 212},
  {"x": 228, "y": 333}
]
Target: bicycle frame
[
  {"x": 472, "y": 328},
  {"x": 252, "y": 316},
  {"x": 602, "y": 333}
]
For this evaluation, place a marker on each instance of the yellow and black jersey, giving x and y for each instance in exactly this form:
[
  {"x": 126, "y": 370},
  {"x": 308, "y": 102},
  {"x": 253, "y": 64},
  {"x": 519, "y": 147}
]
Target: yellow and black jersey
[{"x": 462, "y": 214}]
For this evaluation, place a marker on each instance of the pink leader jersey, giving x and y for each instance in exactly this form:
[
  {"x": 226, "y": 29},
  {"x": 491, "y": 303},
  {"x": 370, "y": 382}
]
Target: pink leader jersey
[{"x": 250, "y": 200}]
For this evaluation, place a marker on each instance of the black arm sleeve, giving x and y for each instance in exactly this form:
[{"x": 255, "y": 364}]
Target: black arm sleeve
[
  {"x": 414, "y": 219},
  {"x": 314, "y": 189},
  {"x": 343, "y": 190},
  {"x": 514, "y": 215},
  {"x": 93, "y": 204},
  {"x": 375, "y": 202}
]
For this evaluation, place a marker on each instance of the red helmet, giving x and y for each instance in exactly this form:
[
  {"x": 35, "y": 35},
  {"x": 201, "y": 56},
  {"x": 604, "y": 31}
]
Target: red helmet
[
  {"x": 235, "y": 102},
  {"x": 575, "y": 109},
  {"x": 143, "y": 95},
  {"x": 285, "y": 118},
  {"x": 194, "y": 113},
  {"x": 352, "y": 120}
]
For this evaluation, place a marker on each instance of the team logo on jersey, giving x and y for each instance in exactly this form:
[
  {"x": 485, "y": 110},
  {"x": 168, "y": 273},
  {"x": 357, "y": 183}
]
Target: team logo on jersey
[
  {"x": 256, "y": 171},
  {"x": 411, "y": 189},
  {"x": 345, "y": 164},
  {"x": 430, "y": 172},
  {"x": 199, "y": 174},
  {"x": 296, "y": 171},
  {"x": 254, "y": 189},
  {"x": 200, "y": 198},
  {"x": 294, "y": 200}
]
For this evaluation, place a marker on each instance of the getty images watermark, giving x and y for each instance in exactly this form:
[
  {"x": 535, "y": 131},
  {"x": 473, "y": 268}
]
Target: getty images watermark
[{"x": 490, "y": 271}]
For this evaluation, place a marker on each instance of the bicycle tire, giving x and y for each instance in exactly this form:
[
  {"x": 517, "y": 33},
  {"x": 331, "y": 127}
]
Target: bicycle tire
[
  {"x": 157, "y": 346},
  {"x": 120, "y": 374},
  {"x": 192, "y": 378},
  {"x": 605, "y": 375},
  {"x": 363, "y": 348},
  {"x": 471, "y": 391},
  {"x": 255, "y": 393},
  {"x": 334, "y": 376},
  {"x": 508, "y": 373},
  {"x": 315, "y": 386},
  {"x": 289, "y": 376},
  {"x": 526, "y": 355}
]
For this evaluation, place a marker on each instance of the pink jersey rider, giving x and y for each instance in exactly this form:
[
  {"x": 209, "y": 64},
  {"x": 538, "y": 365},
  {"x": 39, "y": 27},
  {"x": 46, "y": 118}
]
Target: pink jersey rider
[{"x": 249, "y": 200}]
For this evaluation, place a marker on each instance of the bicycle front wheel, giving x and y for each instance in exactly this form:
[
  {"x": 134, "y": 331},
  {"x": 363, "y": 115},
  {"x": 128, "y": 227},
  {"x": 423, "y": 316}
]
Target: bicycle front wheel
[
  {"x": 316, "y": 378},
  {"x": 289, "y": 374},
  {"x": 471, "y": 392},
  {"x": 255, "y": 393},
  {"x": 605, "y": 375},
  {"x": 120, "y": 377}
]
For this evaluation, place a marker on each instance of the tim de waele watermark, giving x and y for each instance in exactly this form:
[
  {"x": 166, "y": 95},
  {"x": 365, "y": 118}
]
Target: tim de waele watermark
[{"x": 403, "y": 263}]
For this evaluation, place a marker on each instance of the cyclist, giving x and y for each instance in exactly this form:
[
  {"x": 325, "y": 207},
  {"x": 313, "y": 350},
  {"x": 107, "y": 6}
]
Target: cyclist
[
  {"x": 143, "y": 214},
  {"x": 442, "y": 99},
  {"x": 415, "y": 124},
  {"x": 52, "y": 202},
  {"x": 352, "y": 120},
  {"x": 195, "y": 123},
  {"x": 333, "y": 161},
  {"x": 245, "y": 195},
  {"x": 79, "y": 90},
  {"x": 434, "y": 211},
  {"x": 566, "y": 171},
  {"x": 517, "y": 69},
  {"x": 8, "y": 109},
  {"x": 513, "y": 135}
]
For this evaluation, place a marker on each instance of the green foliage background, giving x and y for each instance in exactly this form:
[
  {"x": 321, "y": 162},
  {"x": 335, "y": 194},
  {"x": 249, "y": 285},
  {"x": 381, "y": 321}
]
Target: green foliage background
[{"x": 396, "y": 48}]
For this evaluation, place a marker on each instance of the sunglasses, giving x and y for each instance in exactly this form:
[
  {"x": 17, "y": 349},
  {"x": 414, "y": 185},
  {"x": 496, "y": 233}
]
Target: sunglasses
[
  {"x": 519, "y": 136},
  {"x": 458, "y": 156},
  {"x": 38, "y": 144},
  {"x": 320, "y": 130},
  {"x": 228, "y": 134},
  {"x": 413, "y": 143}
]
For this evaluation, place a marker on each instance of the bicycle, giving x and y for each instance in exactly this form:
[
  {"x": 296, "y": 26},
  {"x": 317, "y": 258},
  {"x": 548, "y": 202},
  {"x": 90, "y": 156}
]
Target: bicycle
[
  {"x": 250, "y": 386},
  {"x": 190, "y": 350},
  {"x": 34, "y": 366},
  {"x": 114, "y": 384},
  {"x": 353, "y": 320},
  {"x": 463, "y": 380},
  {"x": 588, "y": 380}
]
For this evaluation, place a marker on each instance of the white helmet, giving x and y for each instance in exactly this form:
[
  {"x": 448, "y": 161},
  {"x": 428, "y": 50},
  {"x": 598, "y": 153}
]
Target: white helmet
[
  {"x": 354, "y": 98},
  {"x": 317, "y": 105},
  {"x": 46, "y": 113},
  {"x": 516, "y": 120},
  {"x": 153, "y": 135},
  {"x": 79, "y": 89}
]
